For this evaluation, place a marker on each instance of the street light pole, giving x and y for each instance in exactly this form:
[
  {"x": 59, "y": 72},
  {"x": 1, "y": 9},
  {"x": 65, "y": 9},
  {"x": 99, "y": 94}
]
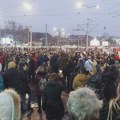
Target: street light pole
[
  {"x": 87, "y": 32},
  {"x": 28, "y": 7},
  {"x": 30, "y": 32},
  {"x": 46, "y": 37},
  {"x": 0, "y": 29}
]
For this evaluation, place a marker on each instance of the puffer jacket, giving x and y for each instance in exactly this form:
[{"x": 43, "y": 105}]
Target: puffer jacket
[
  {"x": 9, "y": 105},
  {"x": 80, "y": 80},
  {"x": 1, "y": 84}
]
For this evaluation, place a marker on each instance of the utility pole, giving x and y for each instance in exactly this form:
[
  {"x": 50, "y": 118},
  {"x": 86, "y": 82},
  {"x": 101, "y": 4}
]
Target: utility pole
[
  {"x": 46, "y": 36},
  {"x": 87, "y": 34},
  {"x": 0, "y": 30},
  {"x": 78, "y": 42},
  {"x": 31, "y": 42}
]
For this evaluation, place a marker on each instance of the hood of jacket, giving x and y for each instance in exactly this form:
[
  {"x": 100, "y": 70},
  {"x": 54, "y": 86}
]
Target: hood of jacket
[
  {"x": 9, "y": 105},
  {"x": 80, "y": 80}
]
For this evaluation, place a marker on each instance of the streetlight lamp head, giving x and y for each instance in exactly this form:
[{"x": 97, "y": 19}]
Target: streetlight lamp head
[
  {"x": 54, "y": 29},
  {"x": 27, "y": 6},
  {"x": 97, "y": 6},
  {"x": 62, "y": 29},
  {"x": 79, "y": 5}
]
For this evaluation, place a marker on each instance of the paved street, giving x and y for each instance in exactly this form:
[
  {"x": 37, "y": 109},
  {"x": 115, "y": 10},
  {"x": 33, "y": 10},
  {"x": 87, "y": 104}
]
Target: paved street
[{"x": 35, "y": 116}]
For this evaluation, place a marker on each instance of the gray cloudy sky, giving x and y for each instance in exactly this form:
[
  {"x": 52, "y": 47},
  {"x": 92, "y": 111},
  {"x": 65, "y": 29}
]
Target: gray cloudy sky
[{"x": 63, "y": 14}]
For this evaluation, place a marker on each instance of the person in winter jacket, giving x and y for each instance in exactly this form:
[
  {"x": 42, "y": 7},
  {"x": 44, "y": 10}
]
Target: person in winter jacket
[
  {"x": 62, "y": 62},
  {"x": 89, "y": 65},
  {"x": 81, "y": 79},
  {"x": 51, "y": 100},
  {"x": 114, "y": 107},
  {"x": 9, "y": 105},
  {"x": 31, "y": 69},
  {"x": 41, "y": 81},
  {"x": 42, "y": 58},
  {"x": 72, "y": 76},
  {"x": 12, "y": 77},
  {"x": 110, "y": 83},
  {"x": 69, "y": 69},
  {"x": 53, "y": 63},
  {"x": 24, "y": 87},
  {"x": 1, "y": 80}
]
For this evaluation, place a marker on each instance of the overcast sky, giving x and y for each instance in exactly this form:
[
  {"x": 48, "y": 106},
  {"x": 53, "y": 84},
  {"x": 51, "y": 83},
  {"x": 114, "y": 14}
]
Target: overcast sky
[{"x": 63, "y": 14}]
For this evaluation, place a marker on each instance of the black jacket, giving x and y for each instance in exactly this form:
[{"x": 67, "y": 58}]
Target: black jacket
[
  {"x": 110, "y": 85},
  {"x": 12, "y": 79},
  {"x": 24, "y": 83},
  {"x": 52, "y": 102}
]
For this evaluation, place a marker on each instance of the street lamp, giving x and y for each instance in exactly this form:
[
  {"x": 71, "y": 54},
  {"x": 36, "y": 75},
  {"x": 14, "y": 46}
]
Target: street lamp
[
  {"x": 97, "y": 6},
  {"x": 80, "y": 5},
  {"x": 54, "y": 29},
  {"x": 28, "y": 7}
]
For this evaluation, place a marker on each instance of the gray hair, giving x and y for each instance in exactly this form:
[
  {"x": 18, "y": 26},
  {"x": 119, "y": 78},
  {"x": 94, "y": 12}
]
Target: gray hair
[{"x": 83, "y": 104}]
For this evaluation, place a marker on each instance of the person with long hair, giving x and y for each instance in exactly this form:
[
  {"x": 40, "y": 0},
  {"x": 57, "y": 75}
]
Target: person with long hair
[{"x": 114, "y": 106}]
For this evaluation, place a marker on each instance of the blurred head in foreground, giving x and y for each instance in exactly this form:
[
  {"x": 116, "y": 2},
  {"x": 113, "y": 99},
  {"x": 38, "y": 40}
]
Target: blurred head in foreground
[{"x": 83, "y": 104}]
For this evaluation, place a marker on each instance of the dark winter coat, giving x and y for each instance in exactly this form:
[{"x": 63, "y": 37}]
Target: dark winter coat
[
  {"x": 41, "y": 59},
  {"x": 1, "y": 84},
  {"x": 62, "y": 61},
  {"x": 110, "y": 86},
  {"x": 72, "y": 76},
  {"x": 52, "y": 102},
  {"x": 31, "y": 65},
  {"x": 53, "y": 63},
  {"x": 12, "y": 79},
  {"x": 69, "y": 68},
  {"x": 24, "y": 83}
]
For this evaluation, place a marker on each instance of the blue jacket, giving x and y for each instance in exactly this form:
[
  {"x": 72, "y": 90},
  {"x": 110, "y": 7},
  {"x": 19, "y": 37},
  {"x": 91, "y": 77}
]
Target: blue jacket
[{"x": 1, "y": 84}]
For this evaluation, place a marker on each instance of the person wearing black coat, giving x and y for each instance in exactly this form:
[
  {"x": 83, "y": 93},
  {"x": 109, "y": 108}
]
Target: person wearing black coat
[
  {"x": 68, "y": 70},
  {"x": 109, "y": 79},
  {"x": 24, "y": 88},
  {"x": 12, "y": 77},
  {"x": 31, "y": 69},
  {"x": 72, "y": 76},
  {"x": 53, "y": 63},
  {"x": 51, "y": 99}
]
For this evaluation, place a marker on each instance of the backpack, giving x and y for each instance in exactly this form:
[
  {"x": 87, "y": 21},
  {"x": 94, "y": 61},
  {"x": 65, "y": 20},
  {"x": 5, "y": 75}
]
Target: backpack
[{"x": 42, "y": 83}]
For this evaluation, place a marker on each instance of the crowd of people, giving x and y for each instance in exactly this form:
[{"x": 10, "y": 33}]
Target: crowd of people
[{"x": 90, "y": 78}]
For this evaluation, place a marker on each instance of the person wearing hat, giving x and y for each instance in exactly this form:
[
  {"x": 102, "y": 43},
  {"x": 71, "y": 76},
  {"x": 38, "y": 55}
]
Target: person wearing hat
[{"x": 51, "y": 99}]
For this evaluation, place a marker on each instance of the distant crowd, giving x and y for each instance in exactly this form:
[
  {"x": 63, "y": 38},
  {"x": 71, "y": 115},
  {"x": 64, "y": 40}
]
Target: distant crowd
[{"x": 90, "y": 78}]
